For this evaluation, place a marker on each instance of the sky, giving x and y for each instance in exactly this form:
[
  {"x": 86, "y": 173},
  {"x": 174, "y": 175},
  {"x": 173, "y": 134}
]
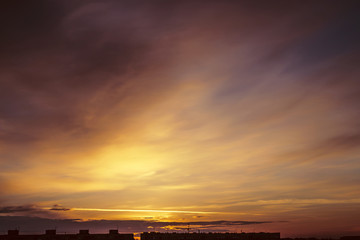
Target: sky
[{"x": 149, "y": 115}]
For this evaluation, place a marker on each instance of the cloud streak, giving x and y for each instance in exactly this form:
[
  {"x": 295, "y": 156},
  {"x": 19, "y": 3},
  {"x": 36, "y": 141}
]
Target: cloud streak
[
  {"x": 124, "y": 210},
  {"x": 14, "y": 209}
]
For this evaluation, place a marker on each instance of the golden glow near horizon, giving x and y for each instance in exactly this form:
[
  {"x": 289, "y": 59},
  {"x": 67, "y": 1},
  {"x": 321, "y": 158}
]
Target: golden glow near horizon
[{"x": 205, "y": 112}]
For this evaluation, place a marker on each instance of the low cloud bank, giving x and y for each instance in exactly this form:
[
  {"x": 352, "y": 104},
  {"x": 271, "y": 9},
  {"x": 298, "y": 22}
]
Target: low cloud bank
[{"x": 37, "y": 225}]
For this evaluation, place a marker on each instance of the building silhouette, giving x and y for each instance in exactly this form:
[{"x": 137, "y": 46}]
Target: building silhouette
[
  {"x": 52, "y": 235},
  {"x": 350, "y": 238},
  {"x": 209, "y": 236}
]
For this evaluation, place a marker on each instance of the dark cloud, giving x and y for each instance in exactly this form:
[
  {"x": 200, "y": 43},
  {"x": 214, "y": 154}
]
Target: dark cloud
[
  {"x": 35, "y": 224},
  {"x": 64, "y": 63},
  {"x": 26, "y": 26},
  {"x": 31, "y": 210},
  {"x": 57, "y": 59},
  {"x": 337, "y": 37},
  {"x": 344, "y": 142},
  {"x": 59, "y": 208},
  {"x": 335, "y": 146},
  {"x": 14, "y": 209}
]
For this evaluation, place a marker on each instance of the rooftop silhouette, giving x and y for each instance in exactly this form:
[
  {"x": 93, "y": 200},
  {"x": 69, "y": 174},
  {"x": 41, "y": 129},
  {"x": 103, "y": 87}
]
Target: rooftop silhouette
[{"x": 51, "y": 234}]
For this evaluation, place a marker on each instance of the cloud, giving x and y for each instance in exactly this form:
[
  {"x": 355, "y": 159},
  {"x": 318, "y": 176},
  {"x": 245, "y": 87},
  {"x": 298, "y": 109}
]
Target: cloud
[
  {"x": 39, "y": 225},
  {"x": 340, "y": 145},
  {"x": 75, "y": 65},
  {"x": 86, "y": 70},
  {"x": 345, "y": 142},
  {"x": 15, "y": 209},
  {"x": 31, "y": 211},
  {"x": 57, "y": 207}
]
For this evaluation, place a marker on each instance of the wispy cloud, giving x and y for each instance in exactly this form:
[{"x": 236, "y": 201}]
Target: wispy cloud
[
  {"x": 14, "y": 209},
  {"x": 124, "y": 210}
]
